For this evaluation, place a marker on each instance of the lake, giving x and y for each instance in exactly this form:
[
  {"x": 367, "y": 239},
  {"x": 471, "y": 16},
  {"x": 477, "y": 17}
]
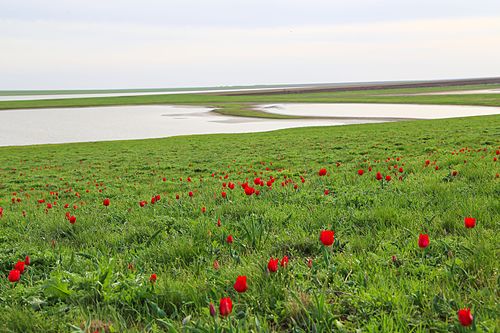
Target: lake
[{"x": 61, "y": 125}]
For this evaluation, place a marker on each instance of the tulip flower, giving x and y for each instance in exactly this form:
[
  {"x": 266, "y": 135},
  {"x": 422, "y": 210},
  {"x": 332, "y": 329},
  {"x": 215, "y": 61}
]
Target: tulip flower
[
  {"x": 14, "y": 275},
  {"x": 361, "y": 172},
  {"x": 19, "y": 266},
  {"x": 284, "y": 261},
  {"x": 241, "y": 284},
  {"x": 106, "y": 202},
  {"x": 423, "y": 241},
  {"x": 272, "y": 265},
  {"x": 229, "y": 239},
  {"x": 153, "y": 278},
  {"x": 322, "y": 172},
  {"x": 465, "y": 317},
  {"x": 327, "y": 237},
  {"x": 225, "y": 306},
  {"x": 469, "y": 222}
]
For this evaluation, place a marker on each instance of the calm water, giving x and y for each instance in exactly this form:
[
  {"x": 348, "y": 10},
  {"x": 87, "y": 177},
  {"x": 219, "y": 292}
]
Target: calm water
[
  {"x": 59, "y": 125},
  {"x": 387, "y": 111}
]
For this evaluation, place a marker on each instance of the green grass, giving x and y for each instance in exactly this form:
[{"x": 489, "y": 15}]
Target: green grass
[
  {"x": 239, "y": 105},
  {"x": 95, "y": 274}
]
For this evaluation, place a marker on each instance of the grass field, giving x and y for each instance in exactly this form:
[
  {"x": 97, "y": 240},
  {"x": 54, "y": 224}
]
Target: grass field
[
  {"x": 241, "y": 105},
  {"x": 95, "y": 274}
]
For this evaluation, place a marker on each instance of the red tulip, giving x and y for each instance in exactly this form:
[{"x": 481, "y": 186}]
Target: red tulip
[
  {"x": 388, "y": 178},
  {"x": 454, "y": 173},
  {"x": 327, "y": 192},
  {"x": 231, "y": 185},
  {"x": 401, "y": 170},
  {"x": 142, "y": 203},
  {"x": 327, "y": 237},
  {"x": 216, "y": 264},
  {"x": 19, "y": 266},
  {"x": 157, "y": 197},
  {"x": 14, "y": 275},
  {"x": 241, "y": 284},
  {"x": 361, "y": 172},
  {"x": 152, "y": 278},
  {"x": 469, "y": 222},
  {"x": 224, "y": 194},
  {"x": 284, "y": 261},
  {"x": 423, "y": 241},
  {"x": 272, "y": 265},
  {"x": 229, "y": 239},
  {"x": 225, "y": 306},
  {"x": 190, "y": 193},
  {"x": 218, "y": 223},
  {"x": 427, "y": 162},
  {"x": 1, "y": 212},
  {"x": 203, "y": 209},
  {"x": 249, "y": 190},
  {"x": 153, "y": 200},
  {"x": 72, "y": 219},
  {"x": 465, "y": 317},
  {"x": 27, "y": 260},
  {"x": 379, "y": 176},
  {"x": 257, "y": 181},
  {"x": 106, "y": 202},
  {"x": 322, "y": 172}
]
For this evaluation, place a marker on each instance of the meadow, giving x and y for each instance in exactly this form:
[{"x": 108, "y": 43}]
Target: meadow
[{"x": 151, "y": 235}]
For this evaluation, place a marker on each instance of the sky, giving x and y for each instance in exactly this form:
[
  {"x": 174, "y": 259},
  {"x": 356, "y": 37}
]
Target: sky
[{"x": 97, "y": 44}]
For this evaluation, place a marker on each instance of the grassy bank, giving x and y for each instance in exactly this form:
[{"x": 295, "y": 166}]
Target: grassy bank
[{"x": 95, "y": 274}]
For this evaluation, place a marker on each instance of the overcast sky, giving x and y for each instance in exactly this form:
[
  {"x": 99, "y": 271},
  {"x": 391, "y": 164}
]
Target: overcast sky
[{"x": 63, "y": 44}]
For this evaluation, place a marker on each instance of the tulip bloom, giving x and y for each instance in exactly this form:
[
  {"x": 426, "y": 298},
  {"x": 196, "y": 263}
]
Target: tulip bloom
[
  {"x": 423, "y": 241},
  {"x": 361, "y": 172},
  {"x": 19, "y": 266},
  {"x": 249, "y": 190},
  {"x": 72, "y": 219},
  {"x": 284, "y": 261},
  {"x": 229, "y": 239},
  {"x": 14, "y": 275},
  {"x": 225, "y": 306},
  {"x": 142, "y": 203},
  {"x": 190, "y": 193},
  {"x": 465, "y": 317},
  {"x": 379, "y": 176},
  {"x": 224, "y": 194},
  {"x": 388, "y": 178},
  {"x": 106, "y": 202},
  {"x": 469, "y": 222},
  {"x": 1, "y": 212},
  {"x": 327, "y": 237},
  {"x": 272, "y": 265},
  {"x": 152, "y": 278},
  {"x": 322, "y": 172},
  {"x": 27, "y": 261},
  {"x": 241, "y": 284}
]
